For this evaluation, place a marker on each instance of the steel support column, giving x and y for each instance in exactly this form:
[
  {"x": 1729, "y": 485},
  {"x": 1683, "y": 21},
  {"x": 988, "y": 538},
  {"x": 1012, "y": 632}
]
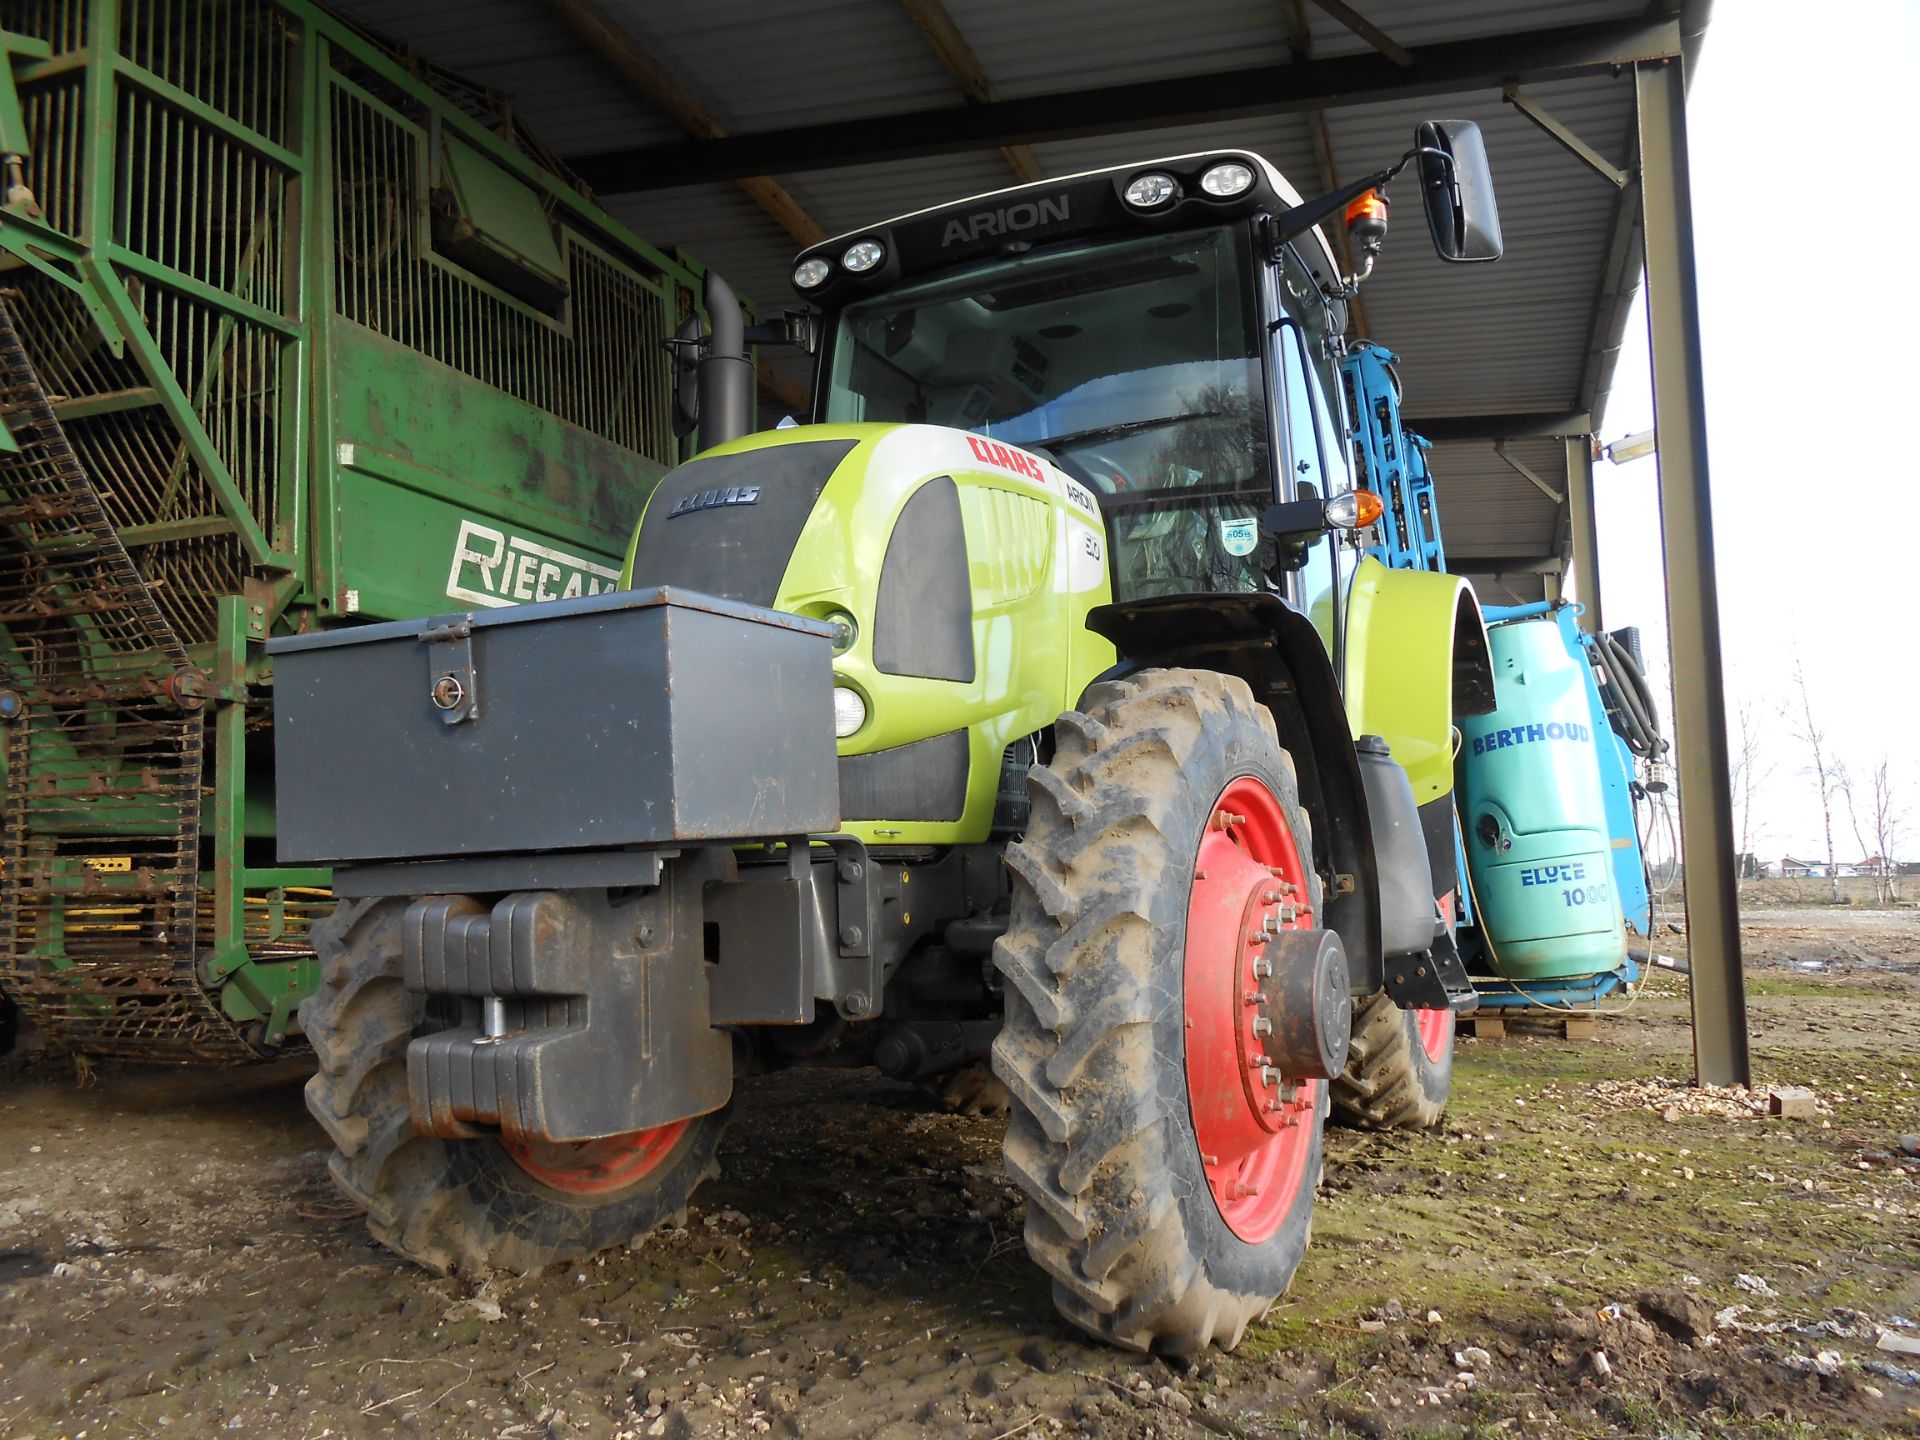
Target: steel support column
[
  {"x": 1586, "y": 544},
  {"x": 1686, "y": 527}
]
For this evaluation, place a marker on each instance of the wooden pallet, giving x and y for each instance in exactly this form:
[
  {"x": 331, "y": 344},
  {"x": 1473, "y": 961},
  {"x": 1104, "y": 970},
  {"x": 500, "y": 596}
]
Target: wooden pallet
[{"x": 1575, "y": 1026}]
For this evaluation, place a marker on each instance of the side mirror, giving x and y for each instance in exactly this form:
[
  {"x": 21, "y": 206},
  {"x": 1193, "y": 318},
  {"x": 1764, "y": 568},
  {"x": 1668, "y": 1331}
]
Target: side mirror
[
  {"x": 1296, "y": 519},
  {"x": 1456, "y": 185}
]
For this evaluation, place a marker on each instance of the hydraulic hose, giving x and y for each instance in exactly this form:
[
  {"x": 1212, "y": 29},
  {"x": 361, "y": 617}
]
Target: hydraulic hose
[{"x": 1635, "y": 697}]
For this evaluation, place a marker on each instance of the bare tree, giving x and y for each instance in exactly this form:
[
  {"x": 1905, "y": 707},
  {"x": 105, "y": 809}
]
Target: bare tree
[
  {"x": 1888, "y": 819},
  {"x": 1827, "y": 776},
  {"x": 1844, "y": 784},
  {"x": 1749, "y": 771}
]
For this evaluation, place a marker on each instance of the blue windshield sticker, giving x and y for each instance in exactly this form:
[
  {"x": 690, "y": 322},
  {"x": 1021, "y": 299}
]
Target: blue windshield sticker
[{"x": 1239, "y": 536}]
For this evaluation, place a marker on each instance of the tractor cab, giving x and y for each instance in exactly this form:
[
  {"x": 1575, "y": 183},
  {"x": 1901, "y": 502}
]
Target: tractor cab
[{"x": 1143, "y": 328}]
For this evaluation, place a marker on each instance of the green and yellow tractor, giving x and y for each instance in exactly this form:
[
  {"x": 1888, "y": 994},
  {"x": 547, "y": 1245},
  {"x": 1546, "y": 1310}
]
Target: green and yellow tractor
[{"x": 1035, "y": 700}]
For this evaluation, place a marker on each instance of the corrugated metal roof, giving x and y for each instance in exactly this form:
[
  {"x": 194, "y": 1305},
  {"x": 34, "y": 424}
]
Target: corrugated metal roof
[{"x": 1514, "y": 336}]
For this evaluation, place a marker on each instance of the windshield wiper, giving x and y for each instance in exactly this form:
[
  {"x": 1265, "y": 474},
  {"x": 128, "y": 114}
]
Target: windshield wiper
[{"x": 1130, "y": 427}]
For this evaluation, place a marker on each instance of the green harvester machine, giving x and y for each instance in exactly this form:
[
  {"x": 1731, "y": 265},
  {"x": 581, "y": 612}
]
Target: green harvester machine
[{"x": 295, "y": 330}]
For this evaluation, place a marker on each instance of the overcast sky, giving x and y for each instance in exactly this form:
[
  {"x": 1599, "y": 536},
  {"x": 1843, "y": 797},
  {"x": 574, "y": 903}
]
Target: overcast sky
[{"x": 1810, "y": 311}]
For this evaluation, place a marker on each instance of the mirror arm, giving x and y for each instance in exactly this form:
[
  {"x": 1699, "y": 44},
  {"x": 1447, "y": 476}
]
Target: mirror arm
[
  {"x": 797, "y": 328},
  {"x": 1291, "y": 224}
]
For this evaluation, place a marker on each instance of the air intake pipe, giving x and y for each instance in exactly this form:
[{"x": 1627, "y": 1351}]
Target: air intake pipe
[{"x": 725, "y": 374}]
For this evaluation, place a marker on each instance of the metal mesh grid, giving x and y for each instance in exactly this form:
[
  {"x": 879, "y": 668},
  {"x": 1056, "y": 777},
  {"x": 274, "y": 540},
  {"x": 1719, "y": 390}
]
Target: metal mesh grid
[
  {"x": 54, "y": 113},
  {"x": 136, "y": 455},
  {"x": 219, "y": 215},
  {"x": 101, "y": 837},
  {"x": 229, "y": 54},
  {"x": 603, "y": 367},
  {"x": 61, "y": 23},
  {"x": 108, "y": 515}
]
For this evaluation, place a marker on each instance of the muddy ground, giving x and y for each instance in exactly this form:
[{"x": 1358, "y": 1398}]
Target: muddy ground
[{"x": 173, "y": 1265}]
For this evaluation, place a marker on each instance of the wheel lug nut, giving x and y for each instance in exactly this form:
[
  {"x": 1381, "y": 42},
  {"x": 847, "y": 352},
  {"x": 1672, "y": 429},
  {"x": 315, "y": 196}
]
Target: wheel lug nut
[
  {"x": 1241, "y": 1190},
  {"x": 1271, "y": 1078},
  {"x": 1226, "y": 819},
  {"x": 1254, "y": 997},
  {"x": 1262, "y": 967},
  {"x": 1262, "y": 1025}
]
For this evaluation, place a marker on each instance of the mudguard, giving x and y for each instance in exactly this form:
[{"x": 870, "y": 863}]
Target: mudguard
[
  {"x": 1277, "y": 651},
  {"x": 1417, "y": 659}
]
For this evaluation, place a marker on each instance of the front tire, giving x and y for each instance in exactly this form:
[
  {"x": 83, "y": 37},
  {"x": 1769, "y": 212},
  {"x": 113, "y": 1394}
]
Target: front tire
[
  {"x": 1169, "y": 1204},
  {"x": 465, "y": 1206}
]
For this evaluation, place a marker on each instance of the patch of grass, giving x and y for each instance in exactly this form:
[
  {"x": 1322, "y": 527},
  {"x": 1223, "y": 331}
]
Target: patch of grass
[{"x": 1776, "y": 987}]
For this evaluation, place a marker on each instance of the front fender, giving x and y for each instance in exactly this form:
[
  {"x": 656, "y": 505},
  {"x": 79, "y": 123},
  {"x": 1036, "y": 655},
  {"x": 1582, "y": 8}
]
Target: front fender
[
  {"x": 1417, "y": 659},
  {"x": 1277, "y": 651}
]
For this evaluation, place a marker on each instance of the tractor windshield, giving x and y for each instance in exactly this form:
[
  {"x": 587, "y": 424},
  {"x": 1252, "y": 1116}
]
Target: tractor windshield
[{"x": 1134, "y": 363}]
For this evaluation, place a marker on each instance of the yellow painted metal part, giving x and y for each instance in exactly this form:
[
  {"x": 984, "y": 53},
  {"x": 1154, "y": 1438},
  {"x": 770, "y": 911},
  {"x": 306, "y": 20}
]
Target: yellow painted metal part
[
  {"x": 1401, "y": 643},
  {"x": 1036, "y": 560}
]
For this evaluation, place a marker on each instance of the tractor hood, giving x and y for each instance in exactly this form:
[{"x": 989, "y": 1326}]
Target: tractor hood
[{"x": 957, "y": 573}]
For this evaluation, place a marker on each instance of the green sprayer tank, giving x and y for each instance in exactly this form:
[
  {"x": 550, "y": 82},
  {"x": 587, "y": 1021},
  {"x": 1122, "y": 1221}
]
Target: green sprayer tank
[
  {"x": 296, "y": 330},
  {"x": 1534, "y": 817}
]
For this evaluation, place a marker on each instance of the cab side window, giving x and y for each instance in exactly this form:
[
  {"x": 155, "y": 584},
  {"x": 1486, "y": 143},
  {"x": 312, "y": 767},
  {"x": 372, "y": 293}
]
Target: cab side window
[
  {"x": 1315, "y": 429},
  {"x": 1308, "y": 307},
  {"x": 1306, "y": 466}
]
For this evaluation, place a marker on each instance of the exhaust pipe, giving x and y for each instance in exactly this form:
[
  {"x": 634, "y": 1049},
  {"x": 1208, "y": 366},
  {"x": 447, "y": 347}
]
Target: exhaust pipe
[{"x": 725, "y": 375}]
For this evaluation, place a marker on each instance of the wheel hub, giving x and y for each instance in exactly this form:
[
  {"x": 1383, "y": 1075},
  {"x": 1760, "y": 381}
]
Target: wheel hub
[{"x": 1253, "y": 1121}]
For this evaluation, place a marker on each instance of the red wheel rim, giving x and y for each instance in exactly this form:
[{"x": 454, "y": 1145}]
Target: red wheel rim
[
  {"x": 1435, "y": 1027},
  {"x": 1436, "y": 1031},
  {"x": 597, "y": 1167},
  {"x": 1255, "y": 1127}
]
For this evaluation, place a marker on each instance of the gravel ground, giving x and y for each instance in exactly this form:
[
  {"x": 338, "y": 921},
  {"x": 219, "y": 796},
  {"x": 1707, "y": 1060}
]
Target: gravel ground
[{"x": 1587, "y": 1247}]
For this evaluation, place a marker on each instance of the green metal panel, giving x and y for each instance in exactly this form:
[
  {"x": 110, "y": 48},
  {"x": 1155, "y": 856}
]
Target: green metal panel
[
  {"x": 324, "y": 333},
  {"x": 495, "y": 225}
]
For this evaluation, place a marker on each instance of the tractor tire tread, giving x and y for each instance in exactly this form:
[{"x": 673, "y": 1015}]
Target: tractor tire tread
[
  {"x": 453, "y": 1207},
  {"x": 1389, "y": 1082},
  {"x": 1085, "y": 1140}
]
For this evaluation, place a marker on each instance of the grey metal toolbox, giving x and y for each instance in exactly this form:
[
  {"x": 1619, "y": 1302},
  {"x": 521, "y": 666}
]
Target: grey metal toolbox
[{"x": 628, "y": 718}]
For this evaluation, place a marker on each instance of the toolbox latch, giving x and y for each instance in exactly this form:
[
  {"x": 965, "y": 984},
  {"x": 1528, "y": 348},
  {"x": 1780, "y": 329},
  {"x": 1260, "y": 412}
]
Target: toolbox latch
[{"x": 451, "y": 683}]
